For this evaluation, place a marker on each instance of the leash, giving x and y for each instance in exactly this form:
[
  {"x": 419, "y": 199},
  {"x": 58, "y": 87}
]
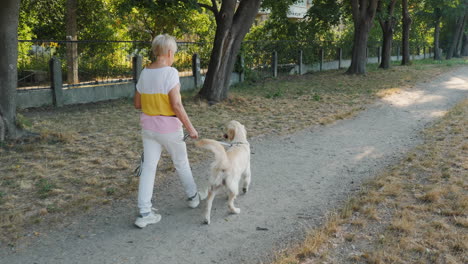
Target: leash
[
  {"x": 186, "y": 136},
  {"x": 140, "y": 167}
]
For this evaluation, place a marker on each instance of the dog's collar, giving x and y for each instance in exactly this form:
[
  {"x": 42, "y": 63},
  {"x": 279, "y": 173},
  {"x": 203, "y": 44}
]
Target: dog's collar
[{"x": 232, "y": 143}]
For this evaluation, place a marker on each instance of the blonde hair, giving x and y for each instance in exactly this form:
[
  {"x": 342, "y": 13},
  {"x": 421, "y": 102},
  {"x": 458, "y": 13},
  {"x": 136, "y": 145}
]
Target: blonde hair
[{"x": 162, "y": 44}]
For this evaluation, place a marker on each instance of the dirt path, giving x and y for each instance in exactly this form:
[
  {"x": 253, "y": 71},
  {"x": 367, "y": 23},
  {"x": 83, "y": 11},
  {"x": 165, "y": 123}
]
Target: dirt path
[{"x": 296, "y": 180}]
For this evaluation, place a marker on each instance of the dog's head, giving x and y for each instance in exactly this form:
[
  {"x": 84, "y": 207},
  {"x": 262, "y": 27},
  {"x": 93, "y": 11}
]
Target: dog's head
[{"x": 235, "y": 131}]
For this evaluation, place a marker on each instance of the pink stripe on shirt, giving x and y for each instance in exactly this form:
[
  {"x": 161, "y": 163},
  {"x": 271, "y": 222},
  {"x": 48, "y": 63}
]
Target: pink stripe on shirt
[{"x": 160, "y": 124}]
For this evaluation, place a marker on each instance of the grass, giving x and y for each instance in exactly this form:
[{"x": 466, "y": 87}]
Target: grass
[
  {"x": 416, "y": 212},
  {"x": 86, "y": 154}
]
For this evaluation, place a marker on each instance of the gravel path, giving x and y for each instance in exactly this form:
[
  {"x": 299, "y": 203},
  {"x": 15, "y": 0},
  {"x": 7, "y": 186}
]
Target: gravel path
[{"x": 296, "y": 179}]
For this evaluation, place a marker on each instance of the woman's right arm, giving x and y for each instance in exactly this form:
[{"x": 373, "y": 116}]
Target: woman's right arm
[{"x": 179, "y": 110}]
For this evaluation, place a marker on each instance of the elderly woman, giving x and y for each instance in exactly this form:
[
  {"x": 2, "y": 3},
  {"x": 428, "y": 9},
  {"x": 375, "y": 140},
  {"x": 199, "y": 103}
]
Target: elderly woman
[{"x": 162, "y": 118}]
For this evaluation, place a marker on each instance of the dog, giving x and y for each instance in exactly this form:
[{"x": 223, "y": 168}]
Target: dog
[{"x": 229, "y": 166}]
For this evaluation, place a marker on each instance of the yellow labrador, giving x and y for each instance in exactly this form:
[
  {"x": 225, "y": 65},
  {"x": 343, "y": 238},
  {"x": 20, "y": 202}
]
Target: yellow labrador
[{"x": 229, "y": 166}]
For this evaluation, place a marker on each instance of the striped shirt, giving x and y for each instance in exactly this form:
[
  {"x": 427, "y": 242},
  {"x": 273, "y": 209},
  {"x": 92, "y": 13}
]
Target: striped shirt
[{"x": 154, "y": 86}]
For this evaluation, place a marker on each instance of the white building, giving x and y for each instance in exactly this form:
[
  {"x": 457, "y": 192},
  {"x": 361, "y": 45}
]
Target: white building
[{"x": 296, "y": 11}]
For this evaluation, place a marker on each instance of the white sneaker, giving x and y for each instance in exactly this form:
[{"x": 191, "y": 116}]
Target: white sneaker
[
  {"x": 151, "y": 218},
  {"x": 194, "y": 201}
]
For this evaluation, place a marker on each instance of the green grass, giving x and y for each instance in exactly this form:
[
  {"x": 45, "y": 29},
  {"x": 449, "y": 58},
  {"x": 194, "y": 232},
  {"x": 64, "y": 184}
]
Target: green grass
[{"x": 45, "y": 187}]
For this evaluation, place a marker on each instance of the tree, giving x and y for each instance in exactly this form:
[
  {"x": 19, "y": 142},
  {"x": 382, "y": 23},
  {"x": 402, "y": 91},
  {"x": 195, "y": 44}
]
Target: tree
[
  {"x": 436, "y": 13},
  {"x": 72, "y": 48},
  {"x": 464, "y": 50},
  {"x": 458, "y": 46},
  {"x": 387, "y": 22},
  {"x": 233, "y": 21},
  {"x": 363, "y": 16},
  {"x": 437, "y": 16},
  {"x": 406, "y": 21},
  {"x": 461, "y": 19},
  {"x": 9, "y": 13}
]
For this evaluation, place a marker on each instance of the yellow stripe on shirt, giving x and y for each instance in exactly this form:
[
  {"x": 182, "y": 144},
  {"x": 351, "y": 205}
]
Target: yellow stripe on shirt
[{"x": 156, "y": 104}]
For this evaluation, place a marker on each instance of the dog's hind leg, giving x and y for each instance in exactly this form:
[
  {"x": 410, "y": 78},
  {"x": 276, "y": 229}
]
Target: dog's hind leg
[
  {"x": 233, "y": 191},
  {"x": 246, "y": 180},
  {"x": 209, "y": 202},
  {"x": 232, "y": 208}
]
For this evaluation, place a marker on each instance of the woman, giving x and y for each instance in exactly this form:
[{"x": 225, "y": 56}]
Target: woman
[{"x": 162, "y": 117}]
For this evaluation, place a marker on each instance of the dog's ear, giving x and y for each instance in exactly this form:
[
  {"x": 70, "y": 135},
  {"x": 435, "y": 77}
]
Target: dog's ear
[{"x": 231, "y": 133}]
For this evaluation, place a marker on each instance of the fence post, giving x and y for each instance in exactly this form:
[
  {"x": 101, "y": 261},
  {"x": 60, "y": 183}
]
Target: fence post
[
  {"x": 137, "y": 63},
  {"x": 274, "y": 64},
  {"x": 321, "y": 59},
  {"x": 398, "y": 53},
  {"x": 340, "y": 57},
  {"x": 379, "y": 53},
  {"x": 55, "y": 67},
  {"x": 196, "y": 70},
  {"x": 299, "y": 62},
  {"x": 424, "y": 51}
]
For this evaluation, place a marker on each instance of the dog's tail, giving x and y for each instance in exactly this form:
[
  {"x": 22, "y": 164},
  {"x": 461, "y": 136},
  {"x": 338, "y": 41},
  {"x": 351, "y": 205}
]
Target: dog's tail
[{"x": 214, "y": 146}]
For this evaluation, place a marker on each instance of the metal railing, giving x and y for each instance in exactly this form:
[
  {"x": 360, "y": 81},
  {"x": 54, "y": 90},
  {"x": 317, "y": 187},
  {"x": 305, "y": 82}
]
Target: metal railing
[
  {"x": 111, "y": 61},
  {"x": 98, "y": 61}
]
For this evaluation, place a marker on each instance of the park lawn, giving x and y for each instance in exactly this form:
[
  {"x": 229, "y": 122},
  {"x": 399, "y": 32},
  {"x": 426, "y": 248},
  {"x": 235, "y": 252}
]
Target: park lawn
[
  {"x": 415, "y": 212},
  {"x": 85, "y": 155}
]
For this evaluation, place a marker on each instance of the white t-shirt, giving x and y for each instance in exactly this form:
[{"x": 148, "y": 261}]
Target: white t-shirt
[{"x": 160, "y": 80}]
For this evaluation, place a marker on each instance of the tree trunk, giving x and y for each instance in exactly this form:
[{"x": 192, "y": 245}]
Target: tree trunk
[
  {"x": 363, "y": 15},
  {"x": 72, "y": 48},
  {"x": 458, "y": 46},
  {"x": 232, "y": 26},
  {"x": 437, "y": 55},
  {"x": 386, "y": 48},
  {"x": 387, "y": 26},
  {"x": 464, "y": 50},
  {"x": 406, "y": 33},
  {"x": 455, "y": 37},
  {"x": 9, "y": 13}
]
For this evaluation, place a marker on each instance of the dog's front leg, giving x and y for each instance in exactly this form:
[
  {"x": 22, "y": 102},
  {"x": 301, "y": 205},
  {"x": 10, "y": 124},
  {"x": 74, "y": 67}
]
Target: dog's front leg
[{"x": 209, "y": 202}]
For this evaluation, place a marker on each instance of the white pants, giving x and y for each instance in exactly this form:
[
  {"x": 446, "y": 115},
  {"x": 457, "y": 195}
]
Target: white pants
[{"x": 153, "y": 144}]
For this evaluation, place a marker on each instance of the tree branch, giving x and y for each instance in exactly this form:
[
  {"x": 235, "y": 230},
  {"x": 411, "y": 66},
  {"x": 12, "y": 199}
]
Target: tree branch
[
  {"x": 372, "y": 7},
  {"x": 215, "y": 6},
  {"x": 208, "y": 7}
]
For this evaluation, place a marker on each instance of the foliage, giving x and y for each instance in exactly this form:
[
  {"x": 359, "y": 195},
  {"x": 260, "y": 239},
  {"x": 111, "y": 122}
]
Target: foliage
[
  {"x": 323, "y": 18},
  {"x": 425, "y": 15},
  {"x": 278, "y": 26},
  {"x": 44, "y": 18},
  {"x": 183, "y": 19},
  {"x": 327, "y": 24},
  {"x": 453, "y": 10}
]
